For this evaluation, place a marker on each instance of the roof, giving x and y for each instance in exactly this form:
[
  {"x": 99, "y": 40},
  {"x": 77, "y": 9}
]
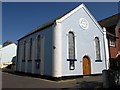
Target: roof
[
  {"x": 110, "y": 21},
  {"x": 38, "y": 29},
  {"x": 110, "y": 34},
  {"x": 12, "y": 44},
  {"x": 41, "y": 27}
]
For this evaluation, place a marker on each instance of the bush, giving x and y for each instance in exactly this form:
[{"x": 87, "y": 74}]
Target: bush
[{"x": 115, "y": 63}]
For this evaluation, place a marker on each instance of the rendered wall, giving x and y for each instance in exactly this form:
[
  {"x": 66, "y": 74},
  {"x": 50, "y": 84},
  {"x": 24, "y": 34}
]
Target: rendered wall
[
  {"x": 7, "y": 53},
  {"x": 84, "y": 42},
  {"x": 46, "y": 53}
]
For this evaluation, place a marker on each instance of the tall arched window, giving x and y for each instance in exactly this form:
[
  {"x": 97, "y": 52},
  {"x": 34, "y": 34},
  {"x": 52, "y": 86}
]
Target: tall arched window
[
  {"x": 37, "y": 61},
  {"x": 71, "y": 45},
  {"x": 24, "y": 51},
  {"x": 30, "y": 49},
  {"x": 38, "y": 47},
  {"x": 71, "y": 50},
  {"x": 97, "y": 47}
]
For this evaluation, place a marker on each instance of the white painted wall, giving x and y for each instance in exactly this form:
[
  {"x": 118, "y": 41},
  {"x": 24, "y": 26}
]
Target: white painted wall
[
  {"x": 46, "y": 53},
  {"x": 84, "y": 43},
  {"x": 7, "y": 53},
  {"x": 54, "y": 46},
  {"x": 0, "y": 46}
]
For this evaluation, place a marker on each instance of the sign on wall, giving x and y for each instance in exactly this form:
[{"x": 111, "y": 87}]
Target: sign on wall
[{"x": 83, "y": 23}]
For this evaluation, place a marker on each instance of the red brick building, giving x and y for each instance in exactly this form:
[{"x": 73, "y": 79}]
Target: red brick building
[{"x": 112, "y": 25}]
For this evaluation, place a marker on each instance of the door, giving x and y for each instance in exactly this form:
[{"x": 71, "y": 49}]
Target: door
[{"x": 86, "y": 66}]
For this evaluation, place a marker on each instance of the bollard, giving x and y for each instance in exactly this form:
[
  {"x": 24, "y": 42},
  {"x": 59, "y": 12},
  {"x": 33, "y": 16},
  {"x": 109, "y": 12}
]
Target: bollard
[
  {"x": 108, "y": 78},
  {"x": 105, "y": 75}
]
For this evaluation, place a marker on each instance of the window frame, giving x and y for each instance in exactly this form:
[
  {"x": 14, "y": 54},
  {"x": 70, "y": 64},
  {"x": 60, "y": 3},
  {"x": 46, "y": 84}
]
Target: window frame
[
  {"x": 71, "y": 65},
  {"x": 30, "y": 48},
  {"x": 97, "y": 49},
  {"x": 24, "y": 51},
  {"x": 112, "y": 42},
  {"x": 73, "y": 59},
  {"x": 37, "y": 64},
  {"x": 71, "y": 47},
  {"x": 38, "y": 55}
]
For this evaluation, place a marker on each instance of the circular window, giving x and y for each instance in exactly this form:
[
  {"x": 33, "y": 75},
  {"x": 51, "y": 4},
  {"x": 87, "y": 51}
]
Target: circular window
[{"x": 83, "y": 23}]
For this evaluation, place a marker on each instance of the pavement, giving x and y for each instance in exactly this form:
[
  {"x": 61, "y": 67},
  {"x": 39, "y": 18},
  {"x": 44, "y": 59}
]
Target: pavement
[
  {"x": 12, "y": 80},
  {"x": 90, "y": 82}
]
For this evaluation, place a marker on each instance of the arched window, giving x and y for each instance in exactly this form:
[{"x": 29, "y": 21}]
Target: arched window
[
  {"x": 71, "y": 45},
  {"x": 30, "y": 49},
  {"x": 24, "y": 51},
  {"x": 38, "y": 47},
  {"x": 97, "y": 47},
  {"x": 71, "y": 50},
  {"x": 37, "y": 61}
]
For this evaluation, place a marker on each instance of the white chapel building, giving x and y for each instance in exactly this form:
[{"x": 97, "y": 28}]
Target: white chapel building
[{"x": 71, "y": 45}]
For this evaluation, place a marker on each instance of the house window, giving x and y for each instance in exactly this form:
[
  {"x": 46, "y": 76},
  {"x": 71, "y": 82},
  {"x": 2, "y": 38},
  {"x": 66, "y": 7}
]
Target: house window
[
  {"x": 112, "y": 42},
  {"x": 30, "y": 49},
  {"x": 97, "y": 47},
  {"x": 38, "y": 47},
  {"x": 71, "y": 50}
]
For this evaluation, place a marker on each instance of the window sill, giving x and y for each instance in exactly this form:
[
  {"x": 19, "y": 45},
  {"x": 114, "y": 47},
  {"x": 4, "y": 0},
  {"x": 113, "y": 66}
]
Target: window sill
[
  {"x": 72, "y": 69},
  {"x": 23, "y": 60},
  {"x": 71, "y": 59},
  {"x": 113, "y": 46},
  {"x": 29, "y": 60},
  {"x": 37, "y": 60},
  {"x": 98, "y": 60}
]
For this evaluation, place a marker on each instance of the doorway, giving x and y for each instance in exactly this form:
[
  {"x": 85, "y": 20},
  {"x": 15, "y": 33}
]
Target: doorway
[{"x": 86, "y": 65}]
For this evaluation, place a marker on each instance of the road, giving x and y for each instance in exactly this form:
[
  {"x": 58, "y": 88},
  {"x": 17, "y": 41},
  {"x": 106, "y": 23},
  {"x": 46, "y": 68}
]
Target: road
[
  {"x": 10, "y": 80},
  {"x": 16, "y": 81}
]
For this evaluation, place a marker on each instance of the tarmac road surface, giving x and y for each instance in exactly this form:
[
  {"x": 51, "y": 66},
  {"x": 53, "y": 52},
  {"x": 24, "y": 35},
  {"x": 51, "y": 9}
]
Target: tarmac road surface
[
  {"x": 16, "y": 81},
  {"x": 10, "y": 80}
]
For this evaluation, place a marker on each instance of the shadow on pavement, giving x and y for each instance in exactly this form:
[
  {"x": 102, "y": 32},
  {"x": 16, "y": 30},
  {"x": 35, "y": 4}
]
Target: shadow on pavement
[
  {"x": 89, "y": 84},
  {"x": 7, "y": 70}
]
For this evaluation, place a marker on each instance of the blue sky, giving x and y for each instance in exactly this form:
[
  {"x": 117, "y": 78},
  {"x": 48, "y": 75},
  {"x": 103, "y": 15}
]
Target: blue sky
[{"x": 20, "y": 18}]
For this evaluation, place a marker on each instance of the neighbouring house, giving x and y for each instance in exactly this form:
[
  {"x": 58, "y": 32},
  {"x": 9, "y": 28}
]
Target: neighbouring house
[
  {"x": 112, "y": 25},
  {"x": 71, "y": 45},
  {"x": 7, "y": 53},
  {"x": 7, "y": 43},
  {"x": 0, "y": 46}
]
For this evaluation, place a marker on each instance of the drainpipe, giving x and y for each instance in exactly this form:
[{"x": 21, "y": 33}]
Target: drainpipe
[{"x": 106, "y": 49}]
